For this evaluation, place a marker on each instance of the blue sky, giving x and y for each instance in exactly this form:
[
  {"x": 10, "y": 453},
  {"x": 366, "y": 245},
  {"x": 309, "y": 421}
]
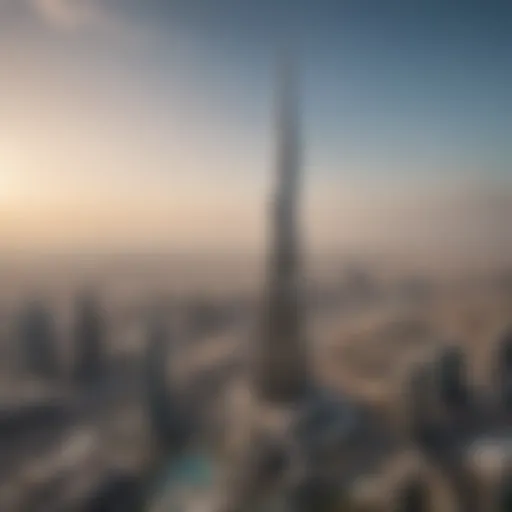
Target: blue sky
[
  {"x": 131, "y": 105},
  {"x": 383, "y": 81}
]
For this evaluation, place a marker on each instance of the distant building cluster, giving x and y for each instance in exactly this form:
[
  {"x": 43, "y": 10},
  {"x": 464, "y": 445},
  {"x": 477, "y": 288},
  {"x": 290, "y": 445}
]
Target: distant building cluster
[{"x": 38, "y": 341}]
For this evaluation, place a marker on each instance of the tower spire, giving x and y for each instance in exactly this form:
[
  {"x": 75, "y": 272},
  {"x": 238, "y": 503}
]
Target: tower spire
[{"x": 281, "y": 372}]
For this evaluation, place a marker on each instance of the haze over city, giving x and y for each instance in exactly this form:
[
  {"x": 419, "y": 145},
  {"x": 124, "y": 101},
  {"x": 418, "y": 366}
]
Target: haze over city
[{"x": 255, "y": 255}]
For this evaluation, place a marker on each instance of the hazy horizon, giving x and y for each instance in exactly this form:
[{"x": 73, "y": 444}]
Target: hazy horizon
[{"x": 148, "y": 127}]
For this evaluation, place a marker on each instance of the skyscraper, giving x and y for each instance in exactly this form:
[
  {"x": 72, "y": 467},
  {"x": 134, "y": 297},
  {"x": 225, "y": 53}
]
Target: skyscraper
[
  {"x": 37, "y": 334},
  {"x": 281, "y": 355},
  {"x": 89, "y": 338}
]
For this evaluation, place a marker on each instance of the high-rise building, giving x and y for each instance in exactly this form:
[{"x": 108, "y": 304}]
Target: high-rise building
[
  {"x": 281, "y": 359},
  {"x": 38, "y": 341},
  {"x": 170, "y": 423},
  {"x": 89, "y": 332}
]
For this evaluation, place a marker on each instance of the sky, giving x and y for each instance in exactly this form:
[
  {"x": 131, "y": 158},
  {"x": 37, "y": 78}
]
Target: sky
[{"x": 130, "y": 124}]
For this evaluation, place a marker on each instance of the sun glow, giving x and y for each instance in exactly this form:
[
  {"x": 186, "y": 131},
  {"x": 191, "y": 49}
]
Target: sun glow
[
  {"x": 6, "y": 185},
  {"x": 14, "y": 185}
]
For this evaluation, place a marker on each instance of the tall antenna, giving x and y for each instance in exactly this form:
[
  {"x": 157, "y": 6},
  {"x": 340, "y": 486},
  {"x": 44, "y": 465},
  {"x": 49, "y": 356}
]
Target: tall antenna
[{"x": 281, "y": 360}]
